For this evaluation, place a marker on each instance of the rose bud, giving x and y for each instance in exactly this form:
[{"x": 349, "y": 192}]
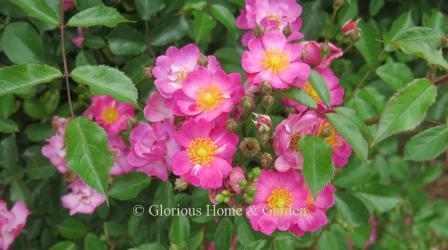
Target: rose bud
[
  {"x": 69, "y": 5},
  {"x": 78, "y": 40},
  {"x": 262, "y": 123},
  {"x": 180, "y": 184},
  {"x": 351, "y": 30},
  {"x": 249, "y": 147},
  {"x": 311, "y": 53},
  {"x": 235, "y": 178}
]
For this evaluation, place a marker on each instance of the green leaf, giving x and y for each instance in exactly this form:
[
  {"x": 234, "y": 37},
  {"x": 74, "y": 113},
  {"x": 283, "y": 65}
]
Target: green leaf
[
  {"x": 164, "y": 195},
  {"x": 401, "y": 23},
  {"x": 92, "y": 242},
  {"x": 225, "y": 17},
  {"x": 203, "y": 24},
  {"x": 98, "y": 15},
  {"x": 19, "y": 77},
  {"x": 38, "y": 9},
  {"x": 64, "y": 245},
  {"x": 147, "y": 8},
  {"x": 351, "y": 133},
  {"x": 352, "y": 115},
  {"x": 22, "y": 44},
  {"x": 369, "y": 45},
  {"x": 397, "y": 75},
  {"x": 194, "y": 5},
  {"x": 244, "y": 231},
  {"x": 314, "y": 20},
  {"x": 320, "y": 86},
  {"x": 332, "y": 240},
  {"x": 72, "y": 229},
  {"x": 149, "y": 246},
  {"x": 436, "y": 20},
  {"x": 38, "y": 131},
  {"x": 351, "y": 209},
  {"x": 126, "y": 40},
  {"x": 174, "y": 31},
  {"x": 8, "y": 152},
  {"x": 8, "y": 126},
  {"x": 424, "y": 51},
  {"x": 317, "y": 164},
  {"x": 420, "y": 35},
  {"x": 87, "y": 152},
  {"x": 299, "y": 95},
  {"x": 428, "y": 144},
  {"x": 37, "y": 166},
  {"x": 375, "y": 7},
  {"x": 128, "y": 186},
  {"x": 180, "y": 231},
  {"x": 196, "y": 241},
  {"x": 407, "y": 109},
  {"x": 104, "y": 80},
  {"x": 223, "y": 234},
  {"x": 6, "y": 105},
  {"x": 380, "y": 197}
]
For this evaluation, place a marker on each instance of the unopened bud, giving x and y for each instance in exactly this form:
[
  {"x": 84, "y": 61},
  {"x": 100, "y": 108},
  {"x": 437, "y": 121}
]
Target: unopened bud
[
  {"x": 287, "y": 30},
  {"x": 351, "y": 30},
  {"x": 324, "y": 50},
  {"x": 246, "y": 103},
  {"x": 249, "y": 147},
  {"x": 337, "y": 4},
  {"x": 203, "y": 61},
  {"x": 236, "y": 176},
  {"x": 180, "y": 184},
  {"x": 266, "y": 160},
  {"x": 147, "y": 72},
  {"x": 70, "y": 176},
  {"x": 262, "y": 123},
  {"x": 268, "y": 100},
  {"x": 266, "y": 88},
  {"x": 259, "y": 31},
  {"x": 311, "y": 53},
  {"x": 231, "y": 124}
]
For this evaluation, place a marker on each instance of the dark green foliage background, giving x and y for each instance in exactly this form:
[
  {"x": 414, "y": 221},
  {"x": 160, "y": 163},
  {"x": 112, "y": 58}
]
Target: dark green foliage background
[{"x": 408, "y": 199}]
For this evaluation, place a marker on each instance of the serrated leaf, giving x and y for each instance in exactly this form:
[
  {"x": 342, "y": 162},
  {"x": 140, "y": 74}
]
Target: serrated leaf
[
  {"x": 174, "y": 31},
  {"x": 223, "y": 234},
  {"x": 395, "y": 74},
  {"x": 87, "y": 152},
  {"x": 403, "y": 22},
  {"x": 180, "y": 231},
  {"x": 225, "y": 17},
  {"x": 351, "y": 133},
  {"x": 317, "y": 163},
  {"x": 436, "y": 20},
  {"x": 299, "y": 95},
  {"x": 203, "y": 24},
  {"x": 424, "y": 51},
  {"x": 407, "y": 109},
  {"x": 129, "y": 185},
  {"x": 368, "y": 45},
  {"x": 19, "y": 77},
  {"x": 380, "y": 197},
  {"x": 428, "y": 144},
  {"x": 38, "y": 9},
  {"x": 98, "y": 15},
  {"x": 352, "y": 115},
  {"x": 320, "y": 86},
  {"x": 420, "y": 35},
  {"x": 104, "y": 80},
  {"x": 22, "y": 44}
]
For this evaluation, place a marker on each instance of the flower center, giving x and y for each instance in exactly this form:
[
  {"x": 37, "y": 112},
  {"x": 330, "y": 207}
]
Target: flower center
[
  {"x": 294, "y": 144},
  {"x": 329, "y": 133},
  {"x": 275, "y": 19},
  {"x": 110, "y": 115},
  {"x": 181, "y": 75},
  {"x": 280, "y": 200},
  {"x": 201, "y": 151},
  {"x": 308, "y": 88},
  {"x": 209, "y": 97},
  {"x": 275, "y": 60}
]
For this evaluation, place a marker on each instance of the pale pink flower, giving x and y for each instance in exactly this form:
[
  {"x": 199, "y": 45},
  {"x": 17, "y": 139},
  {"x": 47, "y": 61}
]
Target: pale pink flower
[
  {"x": 11, "y": 222},
  {"x": 157, "y": 108},
  {"x": 82, "y": 199},
  {"x": 111, "y": 114},
  {"x": 274, "y": 60},
  {"x": 206, "y": 155},
  {"x": 55, "y": 149},
  {"x": 120, "y": 151}
]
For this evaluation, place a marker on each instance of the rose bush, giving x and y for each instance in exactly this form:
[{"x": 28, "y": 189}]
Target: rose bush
[{"x": 299, "y": 124}]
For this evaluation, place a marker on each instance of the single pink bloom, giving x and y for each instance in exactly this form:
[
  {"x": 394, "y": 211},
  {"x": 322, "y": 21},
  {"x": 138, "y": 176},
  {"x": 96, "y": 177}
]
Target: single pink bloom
[
  {"x": 11, "y": 222},
  {"x": 152, "y": 148},
  {"x": 78, "y": 40},
  {"x": 276, "y": 202},
  {"x": 235, "y": 177},
  {"x": 207, "y": 94},
  {"x": 312, "y": 214},
  {"x": 289, "y": 132},
  {"x": 271, "y": 15},
  {"x": 69, "y": 5},
  {"x": 83, "y": 199},
  {"x": 170, "y": 70},
  {"x": 206, "y": 155},
  {"x": 311, "y": 53},
  {"x": 55, "y": 149},
  {"x": 120, "y": 151},
  {"x": 274, "y": 60},
  {"x": 336, "y": 92},
  {"x": 157, "y": 109},
  {"x": 111, "y": 114}
]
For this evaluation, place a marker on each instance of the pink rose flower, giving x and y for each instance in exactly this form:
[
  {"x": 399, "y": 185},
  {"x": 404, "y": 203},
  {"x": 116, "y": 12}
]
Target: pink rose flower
[
  {"x": 120, "y": 150},
  {"x": 152, "y": 148},
  {"x": 206, "y": 155},
  {"x": 235, "y": 177},
  {"x": 288, "y": 134},
  {"x": 274, "y": 60},
  {"x": 55, "y": 149},
  {"x": 277, "y": 202},
  {"x": 170, "y": 70},
  {"x": 336, "y": 92},
  {"x": 111, "y": 114},
  {"x": 11, "y": 222},
  {"x": 271, "y": 15},
  {"x": 206, "y": 94},
  {"x": 83, "y": 199},
  {"x": 157, "y": 109}
]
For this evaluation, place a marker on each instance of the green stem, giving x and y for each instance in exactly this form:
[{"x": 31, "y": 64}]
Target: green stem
[{"x": 64, "y": 58}]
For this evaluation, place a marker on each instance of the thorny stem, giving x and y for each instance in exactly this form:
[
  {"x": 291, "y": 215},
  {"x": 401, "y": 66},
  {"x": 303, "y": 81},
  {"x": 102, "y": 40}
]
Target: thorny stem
[{"x": 64, "y": 58}]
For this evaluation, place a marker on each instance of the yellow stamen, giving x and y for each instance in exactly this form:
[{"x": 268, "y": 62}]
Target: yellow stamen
[
  {"x": 329, "y": 133},
  {"x": 181, "y": 75},
  {"x": 201, "y": 151},
  {"x": 275, "y": 60},
  {"x": 110, "y": 114},
  {"x": 280, "y": 201},
  {"x": 294, "y": 144},
  {"x": 209, "y": 97}
]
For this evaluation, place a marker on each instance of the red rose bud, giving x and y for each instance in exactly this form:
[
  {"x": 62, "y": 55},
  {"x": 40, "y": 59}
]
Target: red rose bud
[
  {"x": 262, "y": 123},
  {"x": 69, "y": 5},
  {"x": 311, "y": 53},
  {"x": 351, "y": 30},
  {"x": 78, "y": 40}
]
